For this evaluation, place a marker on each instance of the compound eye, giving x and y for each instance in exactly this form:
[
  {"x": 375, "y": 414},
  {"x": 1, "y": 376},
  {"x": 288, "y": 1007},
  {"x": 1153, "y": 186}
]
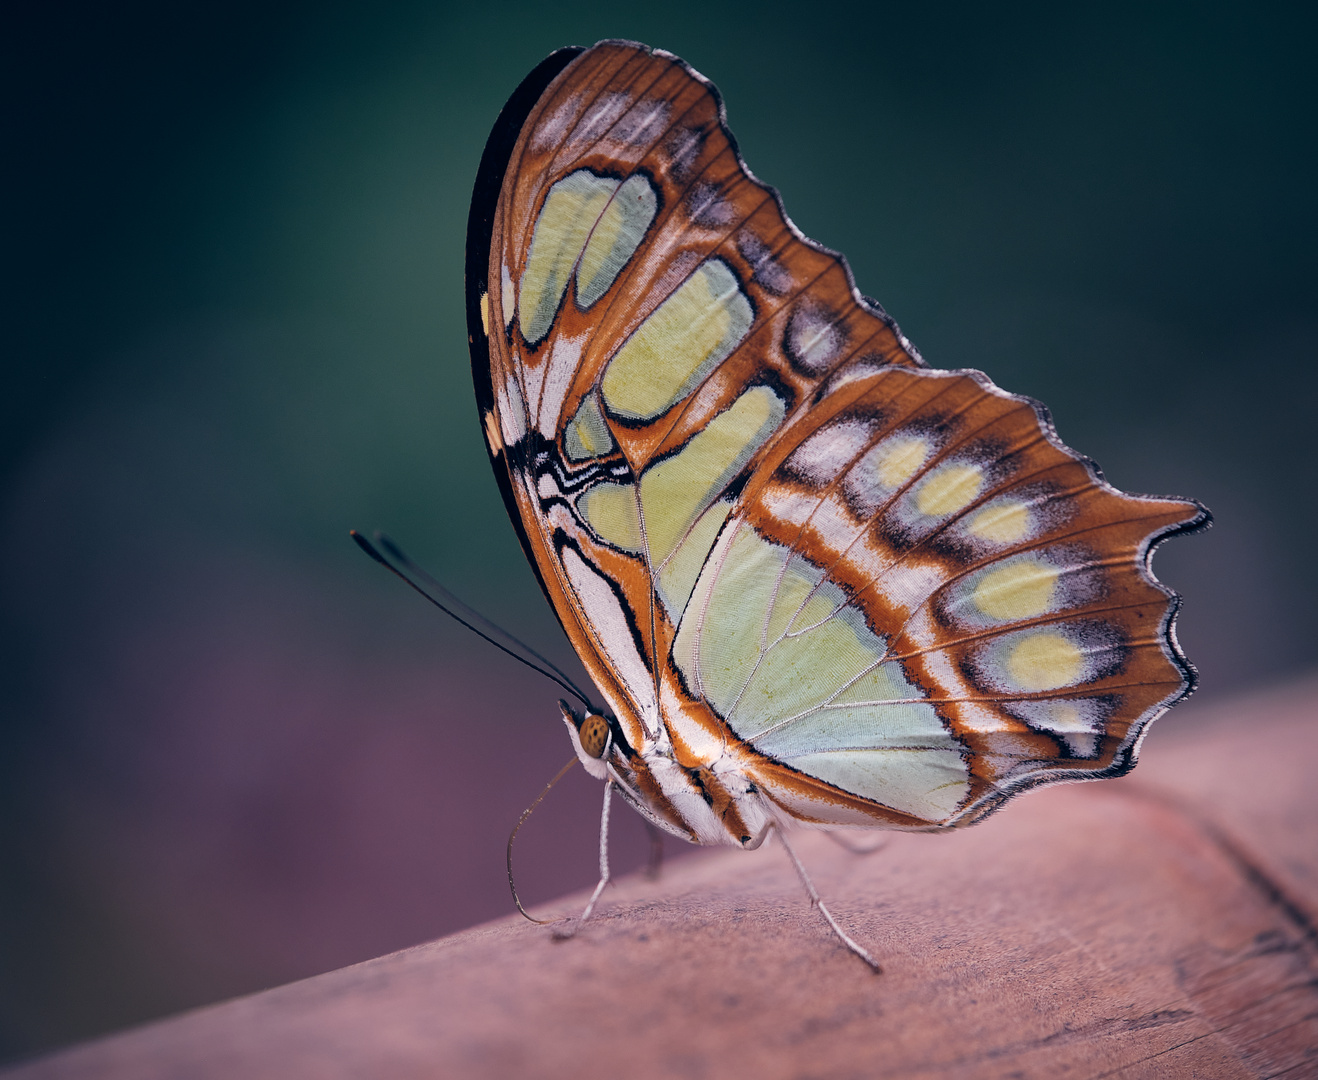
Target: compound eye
[{"x": 593, "y": 734}]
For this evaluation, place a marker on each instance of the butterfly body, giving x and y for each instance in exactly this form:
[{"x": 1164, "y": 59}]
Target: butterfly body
[{"x": 814, "y": 579}]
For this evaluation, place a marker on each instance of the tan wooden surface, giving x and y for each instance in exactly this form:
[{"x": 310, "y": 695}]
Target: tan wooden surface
[{"x": 1157, "y": 926}]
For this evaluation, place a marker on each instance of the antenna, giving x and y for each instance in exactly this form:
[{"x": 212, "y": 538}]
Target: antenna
[
  {"x": 473, "y": 620},
  {"x": 513, "y": 836}
]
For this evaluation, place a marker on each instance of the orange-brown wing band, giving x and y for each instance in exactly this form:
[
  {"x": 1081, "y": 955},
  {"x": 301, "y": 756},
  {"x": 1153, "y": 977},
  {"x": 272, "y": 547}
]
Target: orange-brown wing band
[{"x": 480, "y": 224}]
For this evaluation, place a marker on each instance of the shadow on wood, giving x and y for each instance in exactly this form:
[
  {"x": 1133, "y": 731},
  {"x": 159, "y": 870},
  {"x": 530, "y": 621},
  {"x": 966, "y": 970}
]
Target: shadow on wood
[{"x": 1162, "y": 925}]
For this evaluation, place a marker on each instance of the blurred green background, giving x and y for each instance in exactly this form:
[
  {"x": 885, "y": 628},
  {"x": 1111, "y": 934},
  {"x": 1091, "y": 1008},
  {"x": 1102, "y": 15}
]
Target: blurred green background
[{"x": 236, "y": 753}]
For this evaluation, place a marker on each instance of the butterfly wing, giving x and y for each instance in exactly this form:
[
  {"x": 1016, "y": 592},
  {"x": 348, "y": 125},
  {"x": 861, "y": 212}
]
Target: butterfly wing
[{"x": 783, "y": 547}]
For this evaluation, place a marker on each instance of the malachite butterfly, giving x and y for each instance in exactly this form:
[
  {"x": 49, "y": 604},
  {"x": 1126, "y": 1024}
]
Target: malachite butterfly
[{"x": 814, "y": 579}]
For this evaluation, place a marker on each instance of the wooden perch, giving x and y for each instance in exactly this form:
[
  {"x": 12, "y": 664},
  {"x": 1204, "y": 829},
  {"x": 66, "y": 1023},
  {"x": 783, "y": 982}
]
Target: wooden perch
[{"x": 1157, "y": 926}]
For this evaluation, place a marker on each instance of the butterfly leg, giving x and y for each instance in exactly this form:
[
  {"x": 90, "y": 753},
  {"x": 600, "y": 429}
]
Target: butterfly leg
[
  {"x": 823, "y": 909},
  {"x": 570, "y": 931}
]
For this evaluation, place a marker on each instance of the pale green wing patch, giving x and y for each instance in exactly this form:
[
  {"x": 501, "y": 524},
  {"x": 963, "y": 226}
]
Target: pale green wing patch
[
  {"x": 590, "y": 224},
  {"x": 677, "y": 576},
  {"x": 926, "y": 783},
  {"x": 615, "y": 238},
  {"x": 678, "y": 518},
  {"x": 610, "y": 510},
  {"x": 571, "y": 209},
  {"x": 677, "y": 489},
  {"x": 794, "y": 670},
  {"x": 587, "y": 434},
  {"x": 687, "y": 336}
]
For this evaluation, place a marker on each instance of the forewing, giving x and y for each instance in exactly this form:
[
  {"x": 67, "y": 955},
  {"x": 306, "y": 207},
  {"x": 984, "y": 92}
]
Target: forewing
[{"x": 640, "y": 298}]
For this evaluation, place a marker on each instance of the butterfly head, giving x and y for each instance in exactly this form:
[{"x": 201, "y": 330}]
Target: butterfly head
[{"x": 592, "y": 737}]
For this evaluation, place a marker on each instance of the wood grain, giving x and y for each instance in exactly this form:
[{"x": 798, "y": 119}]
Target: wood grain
[{"x": 1157, "y": 926}]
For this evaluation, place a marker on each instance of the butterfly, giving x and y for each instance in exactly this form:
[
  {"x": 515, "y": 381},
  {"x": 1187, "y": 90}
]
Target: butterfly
[{"x": 814, "y": 579}]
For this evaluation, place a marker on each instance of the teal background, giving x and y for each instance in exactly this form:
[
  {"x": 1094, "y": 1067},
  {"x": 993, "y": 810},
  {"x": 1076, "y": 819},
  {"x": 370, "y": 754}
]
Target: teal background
[{"x": 236, "y": 753}]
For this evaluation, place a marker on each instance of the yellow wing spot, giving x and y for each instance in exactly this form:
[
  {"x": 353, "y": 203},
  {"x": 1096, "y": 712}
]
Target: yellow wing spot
[
  {"x": 611, "y": 511},
  {"x": 1044, "y": 661},
  {"x": 949, "y": 489},
  {"x": 1006, "y": 521},
  {"x": 899, "y": 459},
  {"x": 1019, "y": 590},
  {"x": 696, "y": 328},
  {"x": 492, "y": 433},
  {"x": 485, "y": 313}
]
